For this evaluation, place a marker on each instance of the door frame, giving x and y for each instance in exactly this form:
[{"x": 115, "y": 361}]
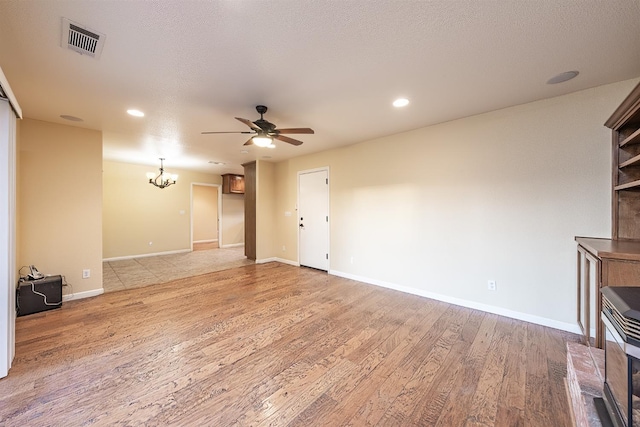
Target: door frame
[
  {"x": 306, "y": 171},
  {"x": 219, "y": 207}
]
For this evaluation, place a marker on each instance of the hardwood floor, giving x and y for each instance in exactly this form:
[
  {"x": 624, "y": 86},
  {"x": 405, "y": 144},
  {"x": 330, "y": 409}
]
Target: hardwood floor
[{"x": 276, "y": 345}]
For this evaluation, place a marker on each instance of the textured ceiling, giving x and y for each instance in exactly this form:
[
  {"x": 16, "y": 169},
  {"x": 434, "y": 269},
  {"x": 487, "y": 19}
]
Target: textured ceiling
[{"x": 334, "y": 66}]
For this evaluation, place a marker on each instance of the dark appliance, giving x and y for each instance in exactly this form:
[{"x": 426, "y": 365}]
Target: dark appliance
[{"x": 34, "y": 296}]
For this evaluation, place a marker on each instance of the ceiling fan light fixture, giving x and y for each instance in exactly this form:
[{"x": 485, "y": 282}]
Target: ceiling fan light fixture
[{"x": 262, "y": 141}]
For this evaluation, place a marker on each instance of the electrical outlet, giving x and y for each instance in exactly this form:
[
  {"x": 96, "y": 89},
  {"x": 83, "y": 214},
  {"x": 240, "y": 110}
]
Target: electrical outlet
[
  {"x": 351, "y": 260},
  {"x": 86, "y": 273},
  {"x": 284, "y": 249},
  {"x": 491, "y": 285}
]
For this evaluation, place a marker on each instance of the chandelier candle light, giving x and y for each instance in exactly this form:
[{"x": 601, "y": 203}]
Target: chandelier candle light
[{"x": 164, "y": 179}]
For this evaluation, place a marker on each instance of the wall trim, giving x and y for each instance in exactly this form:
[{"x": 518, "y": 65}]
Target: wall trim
[
  {"x": 232, "y": 245},
  {"x": 205, "y": 241},
  {"x": 543, "y": 321},
  {"x": 276, "y": 259},
  {"x": 120, "y": 258},
  {"x": 287, "y": 261},
  {"x": 82, "y": 295}
]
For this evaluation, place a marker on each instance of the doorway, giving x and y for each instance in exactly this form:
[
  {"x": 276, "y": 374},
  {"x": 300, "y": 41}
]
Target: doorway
[
  {"x": 205, "y": 216},
  {"x": 313, "y": 218}
]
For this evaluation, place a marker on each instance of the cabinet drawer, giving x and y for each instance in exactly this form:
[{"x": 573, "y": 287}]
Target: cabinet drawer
[{"x": 621, "y": 273}]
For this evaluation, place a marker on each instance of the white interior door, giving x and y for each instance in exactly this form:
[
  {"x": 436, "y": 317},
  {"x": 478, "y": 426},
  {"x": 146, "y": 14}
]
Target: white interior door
[{"x": 313, "y": 219}]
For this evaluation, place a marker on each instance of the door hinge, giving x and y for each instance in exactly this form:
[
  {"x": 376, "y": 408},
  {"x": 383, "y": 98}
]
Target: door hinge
[
  {"x": 327, "y": 218},
  {"x": 326, "y": 181},
  {"x": 327, "y": 256}
]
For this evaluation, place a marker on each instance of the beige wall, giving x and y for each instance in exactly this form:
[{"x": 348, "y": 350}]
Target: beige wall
[
  {"x": 265, "y": 208},
  {"x": 60, "y": 196},
  {"x": 441, "y": 210},
  {"x": 205, "y": 213},
  {"x": 140, "y": 219},
  {"x": 232, "y": 221}
]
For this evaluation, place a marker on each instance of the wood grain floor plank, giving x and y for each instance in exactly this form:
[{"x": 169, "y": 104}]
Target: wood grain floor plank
[
  {"x": 278, "y": 345},
  {"x": 512, "y": 400},
  {"x": 456, "y": 410},
  {"x": 425, "y": 373},
  {"x": 445, "y": 386},
  {"x": 484, "y": 404},
  {"x": 408, "y": 361}
]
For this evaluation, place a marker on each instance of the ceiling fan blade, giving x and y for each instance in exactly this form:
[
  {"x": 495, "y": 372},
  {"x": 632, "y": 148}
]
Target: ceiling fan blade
[
  {"x": 249, "y": 123},
  {"x": 249, "y": 142},
  {"x": 244, "y": 131},
  {"x": 287, "y": 139},
  {"x": 296, "y": 130}
]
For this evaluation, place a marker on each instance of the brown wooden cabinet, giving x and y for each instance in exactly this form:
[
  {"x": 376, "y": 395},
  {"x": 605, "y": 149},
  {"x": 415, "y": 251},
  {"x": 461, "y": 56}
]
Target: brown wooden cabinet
[
  {"x": 602, "y": 262},
  {"x": 615, "y": 261},
  {"x": 232, "y": 184}
]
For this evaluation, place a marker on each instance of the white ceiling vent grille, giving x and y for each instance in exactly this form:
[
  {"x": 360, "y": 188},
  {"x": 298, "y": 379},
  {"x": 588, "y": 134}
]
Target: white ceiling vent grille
[{"x": 81, "y": 39}]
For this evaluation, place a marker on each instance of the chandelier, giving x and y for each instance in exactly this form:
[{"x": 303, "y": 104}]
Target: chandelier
[{"x": 164, "y": 179}]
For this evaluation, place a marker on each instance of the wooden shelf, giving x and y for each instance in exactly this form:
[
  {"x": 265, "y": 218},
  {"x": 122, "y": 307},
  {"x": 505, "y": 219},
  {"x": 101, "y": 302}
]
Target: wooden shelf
[
  {"x": 628, "y": 186},
  {"x": 634, "y": 161},
  {"x": 634, "y": 138}
]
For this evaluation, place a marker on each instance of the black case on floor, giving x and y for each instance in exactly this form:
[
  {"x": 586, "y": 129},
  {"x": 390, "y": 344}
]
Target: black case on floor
[{"x": 47, "y": 295}]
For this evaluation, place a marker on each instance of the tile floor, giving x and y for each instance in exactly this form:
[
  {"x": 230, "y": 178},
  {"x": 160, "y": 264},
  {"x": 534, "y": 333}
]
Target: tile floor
[{"x": 138, "y": 272}]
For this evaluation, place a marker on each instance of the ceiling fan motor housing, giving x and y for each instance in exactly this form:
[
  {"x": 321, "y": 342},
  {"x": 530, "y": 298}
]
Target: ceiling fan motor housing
[{"x": 264, "y": 128}]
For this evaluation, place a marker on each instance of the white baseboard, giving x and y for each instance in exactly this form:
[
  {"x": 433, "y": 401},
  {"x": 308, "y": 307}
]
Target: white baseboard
[
  {"x": 120, "y": 258},
  {"x": 276, "y": 259},
  {"x": 81, "y": 295},
  {"x": 232, "y": 245},
  {"x": 205, "y": 241},
  {"x": 563, "y": 326},
  {"x": 287, "y": 261}
]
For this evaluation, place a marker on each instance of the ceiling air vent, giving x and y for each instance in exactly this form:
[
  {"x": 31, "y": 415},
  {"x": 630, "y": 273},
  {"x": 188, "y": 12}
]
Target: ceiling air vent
[{"x": 81, "y": 39}]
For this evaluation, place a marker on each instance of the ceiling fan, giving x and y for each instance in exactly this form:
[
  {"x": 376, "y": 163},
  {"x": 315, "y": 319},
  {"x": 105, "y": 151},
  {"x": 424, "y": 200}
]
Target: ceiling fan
[{"x": 264, "y": 131}]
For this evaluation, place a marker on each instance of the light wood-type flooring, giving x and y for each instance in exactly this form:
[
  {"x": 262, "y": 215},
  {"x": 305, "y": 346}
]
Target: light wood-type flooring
[{"x": 276, "y": 345}]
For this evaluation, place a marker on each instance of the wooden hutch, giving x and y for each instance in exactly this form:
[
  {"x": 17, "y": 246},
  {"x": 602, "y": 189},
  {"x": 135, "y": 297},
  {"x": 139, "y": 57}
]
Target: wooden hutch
[{"x": 615, "y": 261}]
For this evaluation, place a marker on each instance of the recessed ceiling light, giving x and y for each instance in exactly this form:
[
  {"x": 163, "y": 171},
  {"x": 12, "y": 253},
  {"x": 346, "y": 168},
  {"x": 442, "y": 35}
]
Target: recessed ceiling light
[
  {"x": 562, "y": 77},
  {"x": 72, "y": 118},
  {"x": 401, "y": 102},
  {"x": 136, "y": 113}
]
